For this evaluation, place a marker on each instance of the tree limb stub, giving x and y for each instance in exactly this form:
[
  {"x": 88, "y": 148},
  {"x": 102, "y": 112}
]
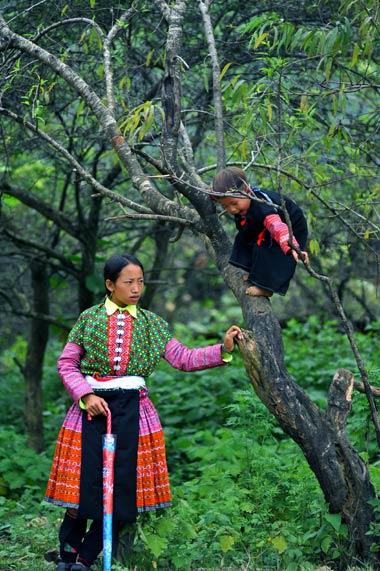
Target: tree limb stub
[
  {"x": 340, "y": 398},
  {"x": 322, "y": 437}
]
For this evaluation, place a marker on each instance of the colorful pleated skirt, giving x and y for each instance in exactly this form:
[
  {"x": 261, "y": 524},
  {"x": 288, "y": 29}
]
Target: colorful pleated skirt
[{"x": 141, "y": 475}]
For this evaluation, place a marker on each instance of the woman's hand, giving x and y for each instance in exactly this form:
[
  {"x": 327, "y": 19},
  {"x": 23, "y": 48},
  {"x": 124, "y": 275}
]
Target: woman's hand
[
  {"x": 232, "y": 333},
  {"x": 95, "y": 405}
]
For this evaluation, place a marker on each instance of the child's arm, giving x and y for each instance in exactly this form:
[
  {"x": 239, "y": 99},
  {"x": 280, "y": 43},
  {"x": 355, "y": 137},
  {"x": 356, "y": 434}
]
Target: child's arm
[{"x": 280, "y": 232}]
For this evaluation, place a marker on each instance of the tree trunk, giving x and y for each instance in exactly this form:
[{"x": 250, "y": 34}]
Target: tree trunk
[
  {"x": 85, "y": 295},
  {"x": 321, "y": 435},
  {"x": 32, "y": 370},
  {"x": 161, "y": 234}
]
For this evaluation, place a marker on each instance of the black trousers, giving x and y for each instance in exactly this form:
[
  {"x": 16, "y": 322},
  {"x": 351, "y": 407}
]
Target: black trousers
[{"x": 79, "y": 544}]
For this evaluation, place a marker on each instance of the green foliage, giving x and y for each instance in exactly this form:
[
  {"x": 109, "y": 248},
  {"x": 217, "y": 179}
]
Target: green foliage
[
  {"x": 20, "y": 467},
  {"x": 253, "y": 499}
]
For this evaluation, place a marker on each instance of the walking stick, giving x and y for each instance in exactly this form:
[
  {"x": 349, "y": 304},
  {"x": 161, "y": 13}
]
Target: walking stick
[{"x": 109, "y": 445}]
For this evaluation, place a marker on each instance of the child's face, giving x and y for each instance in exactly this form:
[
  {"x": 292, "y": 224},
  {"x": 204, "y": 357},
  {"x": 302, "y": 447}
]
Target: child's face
[{"x": 235, "y": 205}]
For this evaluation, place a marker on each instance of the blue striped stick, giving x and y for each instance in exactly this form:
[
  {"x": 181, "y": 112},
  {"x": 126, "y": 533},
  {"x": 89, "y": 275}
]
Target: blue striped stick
[{"x": 109, "y": 446}]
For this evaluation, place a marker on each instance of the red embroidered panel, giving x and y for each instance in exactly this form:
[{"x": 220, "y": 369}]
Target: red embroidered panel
[{"x": 120, "y": 325}]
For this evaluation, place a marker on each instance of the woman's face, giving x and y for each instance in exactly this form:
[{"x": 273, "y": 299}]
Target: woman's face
[{"x": 127, "y": 289}]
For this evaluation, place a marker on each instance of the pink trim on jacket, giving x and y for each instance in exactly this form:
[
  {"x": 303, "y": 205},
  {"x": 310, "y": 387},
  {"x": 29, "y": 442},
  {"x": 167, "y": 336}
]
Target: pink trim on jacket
[
  {"x": 279, "y": 231},
  {"x": 181, "y": 357},
  {"x": 177, "y": 355},
  {"x": 69, "y": 370}
]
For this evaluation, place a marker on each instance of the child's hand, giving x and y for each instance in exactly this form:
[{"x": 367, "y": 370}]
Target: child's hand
[
  {"x": 232, "y": 333},
  {"x": 305, "y": 256}
]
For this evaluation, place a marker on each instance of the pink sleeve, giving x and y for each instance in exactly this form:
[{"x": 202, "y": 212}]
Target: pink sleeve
[
  {"x": 69, "y": 370},
  {"x": 185, "y": 359},
  {"x": 279, "y": 231}
]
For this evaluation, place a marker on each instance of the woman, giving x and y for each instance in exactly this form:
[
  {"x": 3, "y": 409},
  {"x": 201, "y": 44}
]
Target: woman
[{"x": 111, "y": 350}]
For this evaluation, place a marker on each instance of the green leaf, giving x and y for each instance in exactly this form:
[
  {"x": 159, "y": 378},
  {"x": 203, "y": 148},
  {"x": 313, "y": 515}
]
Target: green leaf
[
  {"x": 326, "y": 544},
  {"x": 11, "y": 201},
  {"x": 226, "y": 542},
  {"x": 155, "y": 543},
  {"x": 355, "y": 55},
  {"x": 279, "y": 543},
  {"x": 165, "y": 527},
  {"x": 224, "y": 70},
  {"x": 269, "y": 109},
  {"x": 314, "y": 247},
  {"x": 335, "y": 520},
  {"x": 304, "y": 104},
  {"x": 148, "y": 58},
  {"x": 328, "y": 66},
  {"x": 260, "y": 40}
]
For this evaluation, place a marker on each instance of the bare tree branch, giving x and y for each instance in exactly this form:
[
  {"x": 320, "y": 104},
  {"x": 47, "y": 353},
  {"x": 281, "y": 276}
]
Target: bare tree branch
[
  {"x": 42, "y": 207},
  {"x": 77, "y": 166},
  {"x": 107, "y": 57},
  {"x": 152, "y": 217},
  {"x": 361, "y": 388},
  {"x": 219, "y": 127},
  {"x": 171, "y": 86},
  {"x": 86, "y": 21},
  {"x": 151, "y": 196},
  {"x": 15, "y": 308},
  {"x": 49, "y": 252}
]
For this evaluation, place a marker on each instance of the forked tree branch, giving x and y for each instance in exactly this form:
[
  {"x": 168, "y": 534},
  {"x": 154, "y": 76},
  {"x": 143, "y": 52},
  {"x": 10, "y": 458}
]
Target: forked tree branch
[{"x": 153, "y": 198}]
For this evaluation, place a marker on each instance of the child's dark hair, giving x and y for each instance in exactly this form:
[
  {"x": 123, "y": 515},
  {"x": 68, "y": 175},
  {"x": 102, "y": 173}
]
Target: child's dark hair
[
  {"x": 228, "y": 181},
  {"x": 115, "y": 264}
]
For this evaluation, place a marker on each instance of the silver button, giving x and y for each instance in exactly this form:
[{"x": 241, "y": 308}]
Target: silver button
[
  {"x": 116, "y": 367},
  {"x": 120, "y": 331},
  {"x": 117, "y": 358}
]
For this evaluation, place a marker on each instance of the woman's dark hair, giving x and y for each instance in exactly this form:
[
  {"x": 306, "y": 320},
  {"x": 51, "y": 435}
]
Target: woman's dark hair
[
  {"x": 115, "y": 264},
  {"x": 228, "y": 180}
]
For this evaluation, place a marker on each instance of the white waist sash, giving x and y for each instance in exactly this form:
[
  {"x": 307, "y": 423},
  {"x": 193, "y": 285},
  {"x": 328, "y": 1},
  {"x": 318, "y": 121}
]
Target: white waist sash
[{"x": 127, "y": 382}]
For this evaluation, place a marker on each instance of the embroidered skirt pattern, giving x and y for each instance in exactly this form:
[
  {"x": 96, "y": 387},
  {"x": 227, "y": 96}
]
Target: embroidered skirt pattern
[{"x": 150, "y": 490}]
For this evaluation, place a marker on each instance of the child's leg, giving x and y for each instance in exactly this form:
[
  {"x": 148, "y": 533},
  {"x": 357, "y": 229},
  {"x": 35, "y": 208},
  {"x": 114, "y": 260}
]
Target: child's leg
[{"x": 256, "y": 291}]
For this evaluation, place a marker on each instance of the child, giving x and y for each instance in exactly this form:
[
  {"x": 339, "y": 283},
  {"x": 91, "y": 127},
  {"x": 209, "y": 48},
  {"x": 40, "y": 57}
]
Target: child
[
  {"x": 111, "y": 350},
  {"x": 262, "y": 243}
]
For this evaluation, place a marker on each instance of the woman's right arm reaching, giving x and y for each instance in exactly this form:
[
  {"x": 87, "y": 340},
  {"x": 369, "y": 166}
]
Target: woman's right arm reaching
[{"x": 181, "y": 357}]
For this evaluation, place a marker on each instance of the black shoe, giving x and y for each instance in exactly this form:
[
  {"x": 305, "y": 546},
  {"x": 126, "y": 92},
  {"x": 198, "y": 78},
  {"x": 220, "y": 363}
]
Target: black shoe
[{"x": 62, "y": 566}]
